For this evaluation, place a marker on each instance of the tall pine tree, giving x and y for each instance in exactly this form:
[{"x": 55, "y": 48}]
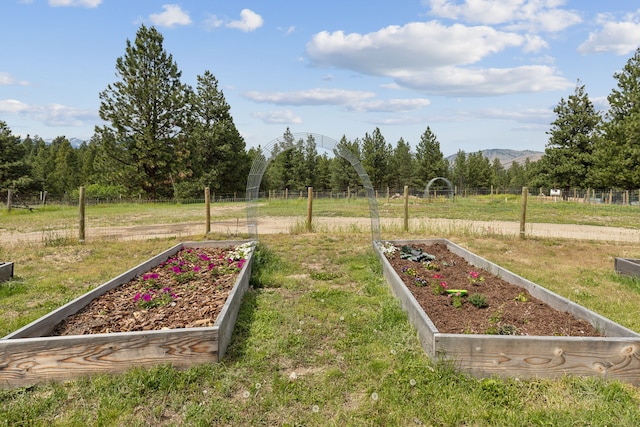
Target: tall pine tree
[
  {"x": 146, "y": 113},
  {"x": 617, "y": 153}
]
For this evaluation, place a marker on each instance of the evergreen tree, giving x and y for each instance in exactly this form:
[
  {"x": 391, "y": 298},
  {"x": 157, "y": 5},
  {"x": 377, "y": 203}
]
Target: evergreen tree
[
  {"x": 343, "y": 175},
  {"x": 430, "y": 162},
  {"x": 280, "y": 170},
  {"x": 146, "y": 110},
  {"x": 460, "y": 170},
  {"x": 569, "y": 153},
  {"x": 402, "y": 170},
  {"x": 217, "y": 158},
  {"x": 617, "y": 153},
  {"x": 478, "y": 171},
  {"x": 14, "y": 170},
  {"x": 65, "y": 176},
  {"x": 499, "y": 176},
  {"x": 376, "y": 157}
]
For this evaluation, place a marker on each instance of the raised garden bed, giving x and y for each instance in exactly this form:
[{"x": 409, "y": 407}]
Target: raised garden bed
[
  {"x": 614, "y": 354},
  {"x": 627, "y": 266},
  {"x": 35, "y": 353},
  {"x": 6, "y": 271}
]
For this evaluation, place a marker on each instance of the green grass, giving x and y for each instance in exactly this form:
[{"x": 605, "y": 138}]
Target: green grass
[{"x": 320, "y": 341}]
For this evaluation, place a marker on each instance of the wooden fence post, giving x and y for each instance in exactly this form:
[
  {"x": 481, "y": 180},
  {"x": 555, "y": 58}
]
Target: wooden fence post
[
  {"x": 406, "y": 208},
  {"x": 309, "y": 207},
  {"x": 81, "y": 228},
  {"x": 207, "y": 210},
  {"x": 523, "y": 214},
  {"x": 9, "y": 201}
]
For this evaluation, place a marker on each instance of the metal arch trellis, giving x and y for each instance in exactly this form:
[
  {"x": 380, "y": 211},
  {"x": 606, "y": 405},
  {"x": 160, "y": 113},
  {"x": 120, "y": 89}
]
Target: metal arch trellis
[
  {"x": 261, "y": 162},
  {"x": 426, "y": 190}
]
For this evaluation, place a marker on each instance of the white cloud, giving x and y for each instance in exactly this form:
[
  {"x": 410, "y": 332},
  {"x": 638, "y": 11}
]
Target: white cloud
[
  {"x": 51, "y": 114},
  {"x": 458, "y": 81},
  {"x": 6, "y": 80},
  {"x": 389, "y": 105},
  {"x": 278, "y": 117},
  {"x": 249, "y": 21},
  {"x": 73, "y": 3},
  {"x": 533, "y": 15},
  {"x": 414, "y": 46},
  {"x": 310, "y": 97},
  {"x": 213, "y": 21},
  {"x": 12, "y": 106},
  {"x": 437, "y": 59},
  {"x": 173, "y": 15},
  {"x": 619, "y": 37}
]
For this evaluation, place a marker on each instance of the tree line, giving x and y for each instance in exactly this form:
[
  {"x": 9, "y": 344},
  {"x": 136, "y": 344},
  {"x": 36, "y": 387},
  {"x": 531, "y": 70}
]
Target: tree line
[{"x": 163, "y": 138}]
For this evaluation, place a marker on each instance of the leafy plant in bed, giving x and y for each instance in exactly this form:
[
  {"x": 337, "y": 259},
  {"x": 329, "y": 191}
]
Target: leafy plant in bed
[{"x": 462, "y": 299}]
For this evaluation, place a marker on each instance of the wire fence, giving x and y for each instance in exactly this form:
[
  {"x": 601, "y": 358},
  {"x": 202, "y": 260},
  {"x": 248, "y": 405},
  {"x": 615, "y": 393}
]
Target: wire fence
[{"x": 53, "y": 221}]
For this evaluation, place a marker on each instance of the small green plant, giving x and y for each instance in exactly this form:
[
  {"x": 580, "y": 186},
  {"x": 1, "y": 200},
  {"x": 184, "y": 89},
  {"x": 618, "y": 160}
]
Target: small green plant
[
  {"x": 478, "y": 300},
  {"x": 522, "y": 297},
  {"x": 475, "y": 278},
  {"x": 410, "y": 271},
  {"x": 456, "y": 299},
  {"x": 439, "y": 286}
]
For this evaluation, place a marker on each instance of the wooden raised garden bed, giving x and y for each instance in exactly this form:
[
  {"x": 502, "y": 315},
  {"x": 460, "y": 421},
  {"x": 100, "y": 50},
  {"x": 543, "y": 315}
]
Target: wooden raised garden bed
[
  {"x": 34, "y": 354},
  {"x": 6, "y": 271},
  {"x": 627, "y": 266},
  {"x": 615, "y": 354}
]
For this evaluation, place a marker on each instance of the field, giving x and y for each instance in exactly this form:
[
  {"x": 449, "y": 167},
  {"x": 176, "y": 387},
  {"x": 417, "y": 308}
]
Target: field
[{"x": 320, "y": 340}]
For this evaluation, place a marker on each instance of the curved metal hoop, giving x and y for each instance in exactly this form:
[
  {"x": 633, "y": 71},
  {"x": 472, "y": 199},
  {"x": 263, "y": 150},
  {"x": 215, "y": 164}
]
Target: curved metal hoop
[
  {"x": 426, "y": 190},
  {"x": 261, "y": 162}
]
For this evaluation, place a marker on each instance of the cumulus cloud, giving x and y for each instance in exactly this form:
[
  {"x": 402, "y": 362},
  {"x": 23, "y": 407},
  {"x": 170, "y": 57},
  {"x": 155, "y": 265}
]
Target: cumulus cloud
[
  {"x": 485, "y": 81},
  {"x": 278, "y": 117},
  {"x": 173, "y": 15},
  {"x": 12, "y": 106},
  {"x": 351, "y": 100},
  {"x": 51, "y": 114},
  {"x": 620, "y": 37},
  {"x": 414, "y": 46},
  {"x": 310, "y": 97},
  {"x": 249, "y": 21},
  {"x": 533, "y": 15},
  {"x": 73, "y": 3},
  {"x": 6, "y": 79},
  {"x": 437, "y": 59},
  {"x": 389, "y": 105}
]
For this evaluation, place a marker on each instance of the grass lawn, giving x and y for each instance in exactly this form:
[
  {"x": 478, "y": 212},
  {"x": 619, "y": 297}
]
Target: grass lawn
[{"x": 320, "y": 341}]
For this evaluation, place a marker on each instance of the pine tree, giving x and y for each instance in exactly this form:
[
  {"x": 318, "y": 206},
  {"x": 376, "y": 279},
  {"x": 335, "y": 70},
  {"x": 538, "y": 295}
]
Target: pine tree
[
  {"x": 14, "y": 170},
  {"x": 617, "y": 153},
  {"x": 568, "y": 155},
  {"x": 216, "y": 158},
  {"x": 430, "y": 162},
  {"x": 343, "y": 175},
  {"x": 146, "y": 111},
  {"x": 376, "y": 156},
  {"x": 402, "y": 169}
]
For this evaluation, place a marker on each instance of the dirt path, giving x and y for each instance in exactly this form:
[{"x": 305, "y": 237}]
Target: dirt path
[{"x": 284, "y": 225}]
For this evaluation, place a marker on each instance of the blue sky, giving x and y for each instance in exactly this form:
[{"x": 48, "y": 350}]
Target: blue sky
[{"x": 480, "y": 73}]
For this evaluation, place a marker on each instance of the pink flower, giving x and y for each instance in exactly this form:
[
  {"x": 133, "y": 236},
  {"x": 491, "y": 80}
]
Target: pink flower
[
  {"x": 196, "y": 268},
  {"x": 137, "y": 297},
  {"x": 438, "y": 276},
  {"x": 444, "y": 285},
  {"x": 176, "y": 269}
]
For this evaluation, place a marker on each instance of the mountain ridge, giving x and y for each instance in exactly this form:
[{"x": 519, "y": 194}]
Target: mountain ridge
[{"x": 506, "y": 156}]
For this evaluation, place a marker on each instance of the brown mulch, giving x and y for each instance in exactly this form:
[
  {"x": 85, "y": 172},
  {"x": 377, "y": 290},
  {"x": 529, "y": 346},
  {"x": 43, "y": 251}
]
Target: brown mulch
[
  {"x": 196, "y": 302},
  {"x": 511, "y": 310}
]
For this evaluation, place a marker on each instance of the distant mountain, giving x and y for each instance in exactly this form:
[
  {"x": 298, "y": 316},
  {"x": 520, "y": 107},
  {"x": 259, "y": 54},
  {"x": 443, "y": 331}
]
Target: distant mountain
[
  {"x": 75, "y": 142},
  {"x": 506, "y": 156}
]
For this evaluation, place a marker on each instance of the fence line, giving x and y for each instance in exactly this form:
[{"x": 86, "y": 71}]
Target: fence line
[{"x": 53, "y": 224}]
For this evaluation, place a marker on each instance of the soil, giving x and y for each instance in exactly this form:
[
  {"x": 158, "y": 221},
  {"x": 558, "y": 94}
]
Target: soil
[
  {"x": 511, "y": 310},
  {"x": 191, "y": 298}
]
